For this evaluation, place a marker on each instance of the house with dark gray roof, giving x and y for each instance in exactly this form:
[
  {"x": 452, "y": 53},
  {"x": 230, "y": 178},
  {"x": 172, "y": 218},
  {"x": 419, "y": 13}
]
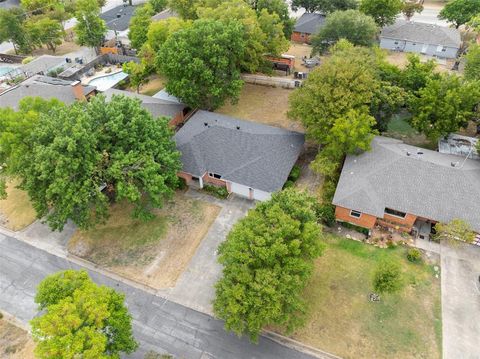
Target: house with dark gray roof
[
  {"x": 47, "y": 88},
  {"x": 307, "y": 25},
  {"x": 158, "y": 107},
  {"x": 406, "y": 188},
  {"x": 249, "y": 159},
  {"x": 421, "y": 38}
]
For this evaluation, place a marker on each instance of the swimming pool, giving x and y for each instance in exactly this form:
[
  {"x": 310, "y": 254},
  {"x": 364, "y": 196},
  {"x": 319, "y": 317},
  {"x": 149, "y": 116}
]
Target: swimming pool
[
  {"x": 105, "y": 82},
  {"x": 5, "y": 69}
]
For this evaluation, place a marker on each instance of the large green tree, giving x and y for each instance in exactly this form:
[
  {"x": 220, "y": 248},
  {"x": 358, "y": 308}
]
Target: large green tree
[
  {"x": 472, "y": 63},
  {"x": 78, "y": 158},
  {"x": 45, "y": 31},
  {"x": 324, "y": 6},
  {"x": 459, "y": 12},
  {"x": 384, "y": 12},
  {"x": 279, "y": 7},
  {"x": 387, "y": 277},
  {"x": 80, "y": 319},
  {"x": 12, "y": 28},
  {"x": 409, "y": 8},
  {"x": 445, "y": 105},
  {"x": 139, "y": 23},
  {"x": 187, "y": 9},
  {"x": 268, "y": 259},
  {"x": 201, "y": 63},
  {"x": 416, "y": 74},
  {"x": 90, "y": 29},
  {"x": 352, "y": 25}
]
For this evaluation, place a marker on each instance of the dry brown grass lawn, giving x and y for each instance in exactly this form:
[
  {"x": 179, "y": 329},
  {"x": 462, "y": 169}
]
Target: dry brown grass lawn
[
  {"x": 155, "y": 84},
  {"x": 155, "y": 252},
  {"x": 400, "y": 59},
  {"x": 16, "y": 211},
  {"x": 15, "y": 342},
  {"x": 263, "y": 104}
]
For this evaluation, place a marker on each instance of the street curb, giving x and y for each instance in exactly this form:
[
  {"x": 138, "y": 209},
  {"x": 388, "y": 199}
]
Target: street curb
[
  {"x": 278, "y": 338},
  {"x": 298, "y": 346}
]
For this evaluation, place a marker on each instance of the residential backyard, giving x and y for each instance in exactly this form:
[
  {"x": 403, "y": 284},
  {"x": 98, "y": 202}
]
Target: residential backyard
[
  {"x": 155, "y": 252},
  {"x": 342, "y": 320},
  {"x": 400, "y": 128},
  {"x": 264, "y": 104},
  {"x": 15, "y": 342},
  {"x": 16, "y": 211}
]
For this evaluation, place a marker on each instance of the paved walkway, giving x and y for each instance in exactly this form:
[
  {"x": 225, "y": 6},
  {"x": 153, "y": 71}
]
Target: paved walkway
[{"x": 159, "y": 324}]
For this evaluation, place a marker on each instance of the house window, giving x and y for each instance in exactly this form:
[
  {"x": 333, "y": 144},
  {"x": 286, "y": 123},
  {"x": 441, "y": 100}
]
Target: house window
[
  {"x": 355, "y": 214},
  {"x": 302, "y": 35},
  {"x": 395, "y": 213},
  {"x": 214, "y": 175},
  {"x": 444, "y": 49}
]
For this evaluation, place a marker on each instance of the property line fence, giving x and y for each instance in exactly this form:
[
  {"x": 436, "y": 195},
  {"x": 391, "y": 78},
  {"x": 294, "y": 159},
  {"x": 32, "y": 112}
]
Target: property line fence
[{"x": 271, "y": 81}]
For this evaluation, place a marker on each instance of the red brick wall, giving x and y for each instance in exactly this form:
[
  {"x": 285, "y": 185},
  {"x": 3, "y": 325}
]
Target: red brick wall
[
  {"x": 215, "y": 181},
  {"x": 300, "y": 37},
  {"x": 186, "y": 176},
  {"x": 403, "y": 224},
  {"x": 365, "y": 220}
]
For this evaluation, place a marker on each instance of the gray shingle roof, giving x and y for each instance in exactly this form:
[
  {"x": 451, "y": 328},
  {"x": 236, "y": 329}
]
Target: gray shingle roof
[
  {"x": 157, "y": 107},
  {"x": 309, "y": 23},
  {"x": 425, "y": 184},
  {"x": 44, "y": 64},
  {"x": 422, "y": 33},
  {"x": 42, "y": 86},
  {"x": 253, "y": 155}
]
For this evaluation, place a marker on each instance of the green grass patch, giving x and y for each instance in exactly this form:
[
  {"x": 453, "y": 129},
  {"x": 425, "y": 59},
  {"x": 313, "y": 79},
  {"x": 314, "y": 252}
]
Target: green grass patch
[
  {"x": 400, "y": 124},
  {"x": 343, "y": 321},
  {"x": 217, "y": 191}
]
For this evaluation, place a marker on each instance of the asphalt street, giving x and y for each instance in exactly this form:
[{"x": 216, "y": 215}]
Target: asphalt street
[{"x": 159, "y": 325}]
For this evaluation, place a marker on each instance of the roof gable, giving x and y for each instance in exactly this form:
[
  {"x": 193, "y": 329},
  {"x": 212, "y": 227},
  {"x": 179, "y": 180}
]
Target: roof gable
[{"x": 309, "y": 23}]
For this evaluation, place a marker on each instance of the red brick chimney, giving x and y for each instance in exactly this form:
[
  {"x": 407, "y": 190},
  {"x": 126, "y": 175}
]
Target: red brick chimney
[{"x": 77, "y": 89}]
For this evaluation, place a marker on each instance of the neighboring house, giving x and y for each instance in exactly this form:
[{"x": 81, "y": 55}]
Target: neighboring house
[
  {"x": 307, "y": 25},
  {"x": 47, "y": 88},
  {"x": 118, "y": 18},
  {"x": 421, "y": 38},
  {"x": 408, "y": 189},
  {"x": 159, "y": 107},
  {"x": 249, "y": 159},
  {"x": 459, "y": 145},
  {"x": 164, "y": 15}
]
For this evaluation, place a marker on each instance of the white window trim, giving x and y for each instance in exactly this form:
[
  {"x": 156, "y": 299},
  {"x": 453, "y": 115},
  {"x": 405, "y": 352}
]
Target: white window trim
[
  {"x": 352, "y": 210},
  {"x": 212, "y": 175}
]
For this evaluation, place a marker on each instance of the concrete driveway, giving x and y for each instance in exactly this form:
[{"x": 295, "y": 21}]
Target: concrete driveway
[
  {"x": 195, "y": 288},
  {"x": 461, "y": 301}
]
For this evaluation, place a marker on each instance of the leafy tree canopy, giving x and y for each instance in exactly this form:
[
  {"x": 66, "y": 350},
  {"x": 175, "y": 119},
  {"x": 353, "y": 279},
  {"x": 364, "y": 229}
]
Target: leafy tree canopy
[
  {"x": 137, "y": 74},
  {"x": 472, "y": 63},
  {"x": 384, "y": 12},
  {"x": 352, "y": 25},
  {"x": 324, "y": 6},
  {"x": 268, "y": 259},
  {"x": 158, "y": 5},
  {"x": 90, "y": 28},
  {"x": 459, "y": 12},
  {"x": 12, "y": 29},
  {"x": 455, "y": 230},
  {"x": 262, "y": 34},
  {"x": 279, "y": 7},
  {"x": 139, "y": 24},
  {"x": 445, "y": 105},
  {"x": 45, "y": 31},
  {"x": 81, "y": 319},
  {"x": 388, "y": 277},
  {"x": 77, "y": 158},
  {"x": 409, "y": 9},
  {"x": 416, "y": 74},
  {"x": 201, "y": 63},
  {"x": 186, "y": 9}
]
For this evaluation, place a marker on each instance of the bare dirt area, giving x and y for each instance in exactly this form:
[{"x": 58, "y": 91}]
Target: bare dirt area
[
  {"x": 400, "y": 59},
  {"x": 15, "y": 342},
  {"x": 154, "y": 253},
  {"x": 65, "y": 48},
  {"x": 299, "y": 51},
  {"x": 16, "y": 211},
  {"x": 263, "y": 104}
]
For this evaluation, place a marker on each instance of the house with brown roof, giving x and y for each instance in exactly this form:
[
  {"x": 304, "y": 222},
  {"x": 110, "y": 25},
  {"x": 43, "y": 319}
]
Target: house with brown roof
[
  {"x": 408, "y": 189},
  {"x": 307, "y": 25}
]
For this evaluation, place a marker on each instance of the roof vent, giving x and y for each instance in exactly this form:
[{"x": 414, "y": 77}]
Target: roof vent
[
  {"x": 454, "y": 164},
  {"x": 408, "y": 153},
  {"x": 238, "y": 127},
  {"x": 205, "y": 124},
  {"x": 419, "y": 152}
]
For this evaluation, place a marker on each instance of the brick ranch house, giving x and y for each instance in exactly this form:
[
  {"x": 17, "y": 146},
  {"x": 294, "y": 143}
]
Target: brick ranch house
[
  {"x": 307, "y": 25},
  {"x": 249, "y": 159},
  {"x": 404, "y": 188}
]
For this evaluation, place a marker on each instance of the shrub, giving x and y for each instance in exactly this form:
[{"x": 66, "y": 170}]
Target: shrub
[
  {"x": 55, "y": 72},
  {"x": 414, "y": 255},
  {"x": 288, "y": 184},
  {"x": 109, "y": 70},
  {"x": 220, "y": 192},
  {"x": 182, "y": 184},
  {"x": 294, "y": 173},
  {"x": 326, "y": 214},
  {"x": 387, "y": 277},
  {"x": 27, "y": 60},
  {"x": 365, "y": 231}
]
